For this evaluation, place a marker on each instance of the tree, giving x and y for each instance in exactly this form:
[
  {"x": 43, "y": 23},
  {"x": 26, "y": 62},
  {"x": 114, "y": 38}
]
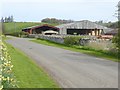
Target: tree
[
  {"x": 7, "y": 19},
  {"x": 12, "y": 20},
  {"x": 116, "y": 39},
  {"x": 2, "y": 20},
  {"x": 55, "y": 21}
]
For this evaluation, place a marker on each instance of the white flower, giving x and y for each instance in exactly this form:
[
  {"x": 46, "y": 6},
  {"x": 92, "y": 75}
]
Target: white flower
[{"x": 1, "y": 70}]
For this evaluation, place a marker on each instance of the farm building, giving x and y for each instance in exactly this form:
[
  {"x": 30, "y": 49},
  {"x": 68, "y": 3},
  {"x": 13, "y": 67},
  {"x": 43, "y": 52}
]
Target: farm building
[
  {"x": 113, "y": 32},
  {"x": 84, "y": 27},
  {"x": 43, "y": 29},
  {"x": 109, "y": 35}
]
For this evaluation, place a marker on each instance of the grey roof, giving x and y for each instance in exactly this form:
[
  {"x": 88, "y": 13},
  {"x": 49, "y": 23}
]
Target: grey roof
[
  {"x": 113, "y": 32},
  {"x": 84, "y": 24}
]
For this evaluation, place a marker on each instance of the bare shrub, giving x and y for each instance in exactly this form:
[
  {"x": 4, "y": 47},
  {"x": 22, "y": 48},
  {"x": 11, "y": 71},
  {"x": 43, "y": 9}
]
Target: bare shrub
[{"x": 101, "y": 44}]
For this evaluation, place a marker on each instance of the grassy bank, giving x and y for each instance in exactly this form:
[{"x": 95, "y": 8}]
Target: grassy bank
[
  {"x": 27, "y": 73},
  {"x": 96, "y": 53}
]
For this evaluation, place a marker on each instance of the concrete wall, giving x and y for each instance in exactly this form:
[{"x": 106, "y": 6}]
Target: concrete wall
[{"x": 63, "y": 31}]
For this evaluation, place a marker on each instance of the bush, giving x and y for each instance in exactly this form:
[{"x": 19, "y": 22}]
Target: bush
[
  {"x": 20, "y": 34},
  {"x": 15, "y": 34},
  {"x": 72, "y": 40}
]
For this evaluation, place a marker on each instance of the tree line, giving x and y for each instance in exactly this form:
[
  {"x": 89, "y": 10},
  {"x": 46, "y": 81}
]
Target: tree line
[
  {"x": 56, "y": 21},
  {"x": 7, "y": 19}
]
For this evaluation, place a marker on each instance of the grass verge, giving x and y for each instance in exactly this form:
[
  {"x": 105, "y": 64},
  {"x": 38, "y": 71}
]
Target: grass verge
[
  {"x": 85, "y": 50},
  {"x": 27, "y": 73}
]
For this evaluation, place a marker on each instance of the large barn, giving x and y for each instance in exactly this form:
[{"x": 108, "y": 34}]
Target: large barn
[
  {"x": 84, "y": 27},
  {"x": 43, "y": 29}
]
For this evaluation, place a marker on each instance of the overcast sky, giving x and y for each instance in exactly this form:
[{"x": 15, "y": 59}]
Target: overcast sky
[{"x": 35, "y": 10}]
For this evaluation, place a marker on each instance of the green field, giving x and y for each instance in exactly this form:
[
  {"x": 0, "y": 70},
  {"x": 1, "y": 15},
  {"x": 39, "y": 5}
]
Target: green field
[
  {"x": 18, "y": 26},
  {"x": 28, "y": 73}
]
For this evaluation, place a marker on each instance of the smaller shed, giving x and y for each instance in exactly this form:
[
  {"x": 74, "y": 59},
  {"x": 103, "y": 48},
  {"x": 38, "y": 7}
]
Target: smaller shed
[
  {"x": 40, "y": 29},
  {"x": 113, "y": 32}
]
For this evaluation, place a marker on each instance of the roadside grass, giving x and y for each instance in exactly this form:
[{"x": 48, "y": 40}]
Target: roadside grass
[
  {"x": 28, "y": 73},
  {"x": 81, "y": 49}
]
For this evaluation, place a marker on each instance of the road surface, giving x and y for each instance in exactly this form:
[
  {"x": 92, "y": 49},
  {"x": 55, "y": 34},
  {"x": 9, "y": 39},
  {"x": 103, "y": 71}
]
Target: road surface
[{"x": 70, "y": 69}]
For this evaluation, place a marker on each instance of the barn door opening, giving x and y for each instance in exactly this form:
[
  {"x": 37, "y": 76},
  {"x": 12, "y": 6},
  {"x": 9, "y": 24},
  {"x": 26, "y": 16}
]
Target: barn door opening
[{"x": 78, "y": 31}]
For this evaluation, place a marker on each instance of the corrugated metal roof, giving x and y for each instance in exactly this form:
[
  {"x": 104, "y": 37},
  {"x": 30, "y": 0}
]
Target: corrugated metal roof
[{"x": 84, "y": 24}]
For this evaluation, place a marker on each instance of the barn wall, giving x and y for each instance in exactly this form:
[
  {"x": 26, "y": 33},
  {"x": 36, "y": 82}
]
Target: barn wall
[
  {"x": 93, "y": 33},
  {"x": 63, "y": 31}
]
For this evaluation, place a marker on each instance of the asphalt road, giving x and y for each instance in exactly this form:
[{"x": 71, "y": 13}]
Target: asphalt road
[{"x": 71, "y": 69}]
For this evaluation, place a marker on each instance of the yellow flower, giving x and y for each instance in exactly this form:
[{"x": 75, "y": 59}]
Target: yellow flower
[
  {"x": 8, "y": 78},
  {"x": 11, "y": 79},
  {"x": 4, "y": 79},
  {"x": 1, "y": 87}
]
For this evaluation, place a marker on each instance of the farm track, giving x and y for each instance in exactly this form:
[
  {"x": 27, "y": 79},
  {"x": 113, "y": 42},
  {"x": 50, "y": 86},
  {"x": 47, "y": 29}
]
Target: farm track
[{"x": 70, "y": 69}]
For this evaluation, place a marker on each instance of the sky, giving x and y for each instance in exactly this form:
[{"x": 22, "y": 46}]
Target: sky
[{"x": 36, "y": 10}]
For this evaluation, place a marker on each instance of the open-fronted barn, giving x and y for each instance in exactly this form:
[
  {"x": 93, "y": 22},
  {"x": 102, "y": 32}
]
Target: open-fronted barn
[
  {"x": 41, "y": 29},
  {"x": 84, "y": 27}
]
